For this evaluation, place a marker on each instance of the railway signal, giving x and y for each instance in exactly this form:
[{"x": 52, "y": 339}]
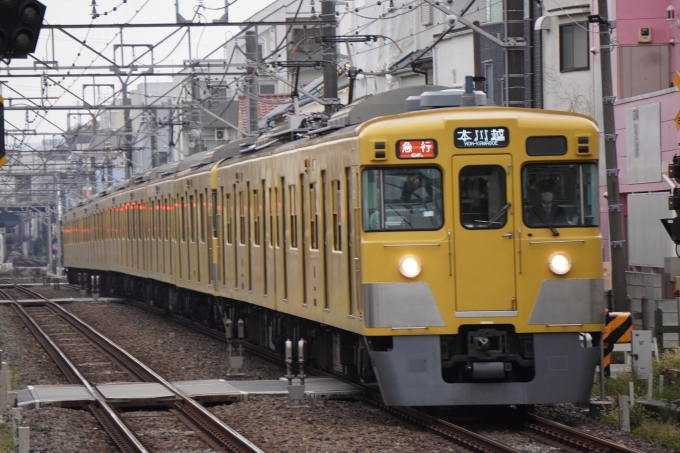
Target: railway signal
[{"x": 20, "y": 24}]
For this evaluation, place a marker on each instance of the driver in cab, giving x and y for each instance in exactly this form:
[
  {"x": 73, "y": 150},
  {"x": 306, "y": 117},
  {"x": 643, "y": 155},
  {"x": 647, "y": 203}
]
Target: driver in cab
[{"x": 545, "y": 210}]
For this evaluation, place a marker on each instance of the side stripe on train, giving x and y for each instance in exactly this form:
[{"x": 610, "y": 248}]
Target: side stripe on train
[{"x": 618, "y": 329}]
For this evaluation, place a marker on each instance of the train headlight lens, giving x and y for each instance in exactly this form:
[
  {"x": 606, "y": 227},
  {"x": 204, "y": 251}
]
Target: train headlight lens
[
  {"x": 410, "y": 266},
  {"x": 559, "y": 263}
]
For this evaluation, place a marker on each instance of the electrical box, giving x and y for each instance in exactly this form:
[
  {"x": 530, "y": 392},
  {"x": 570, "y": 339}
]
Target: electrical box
[{"x": 644, "y": 34}]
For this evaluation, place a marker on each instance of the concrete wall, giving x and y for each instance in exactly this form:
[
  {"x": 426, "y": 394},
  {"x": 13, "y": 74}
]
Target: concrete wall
[{"x": 453, "y": 60}]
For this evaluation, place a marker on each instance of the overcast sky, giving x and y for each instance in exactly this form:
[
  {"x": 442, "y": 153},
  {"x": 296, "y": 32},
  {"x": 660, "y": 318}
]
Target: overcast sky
[{"x": 203, "y": 41}]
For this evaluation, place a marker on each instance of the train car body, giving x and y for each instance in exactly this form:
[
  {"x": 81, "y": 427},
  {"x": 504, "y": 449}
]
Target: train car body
[{"x": 451, "y": 255}]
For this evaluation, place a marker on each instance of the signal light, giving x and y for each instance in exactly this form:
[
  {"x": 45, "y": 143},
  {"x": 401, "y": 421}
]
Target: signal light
[
  {"x": 20, "y": 24},
  {"x": 674, "y": 168}
]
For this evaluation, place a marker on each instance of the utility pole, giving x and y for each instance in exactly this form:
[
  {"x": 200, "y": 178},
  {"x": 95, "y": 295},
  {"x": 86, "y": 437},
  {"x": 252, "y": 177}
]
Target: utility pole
[
  {"x": 128, "y": 132},
  {"x": 618, "y": 258},
  {"x": 253, "y": 93},
  {"x": 330, "y": 71}
]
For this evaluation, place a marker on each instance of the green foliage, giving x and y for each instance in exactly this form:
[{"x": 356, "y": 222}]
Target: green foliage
[
  {"x": 14, "y": 378},
  {"x": 666, "y": 434},
  {"x": 6, "y": 439},
  {"x": 662, "y": 428}
]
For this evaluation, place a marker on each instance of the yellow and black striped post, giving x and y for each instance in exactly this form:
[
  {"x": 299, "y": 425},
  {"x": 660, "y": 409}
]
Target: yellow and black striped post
[{"x": 618, "y": 329}]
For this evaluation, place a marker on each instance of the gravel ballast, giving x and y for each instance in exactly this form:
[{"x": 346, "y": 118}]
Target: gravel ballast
[{"x": 272, "y": 423}]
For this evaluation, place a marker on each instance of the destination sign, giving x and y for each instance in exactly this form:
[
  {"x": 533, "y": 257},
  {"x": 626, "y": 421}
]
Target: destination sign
[
  {"x": 416, "y": 149},
  {"x": 481, "y": 137}
]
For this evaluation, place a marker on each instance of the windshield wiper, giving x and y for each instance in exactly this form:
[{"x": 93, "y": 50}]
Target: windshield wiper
[
  {"x": 496, "y": 216},
  {"x": 545, "y": 220}
]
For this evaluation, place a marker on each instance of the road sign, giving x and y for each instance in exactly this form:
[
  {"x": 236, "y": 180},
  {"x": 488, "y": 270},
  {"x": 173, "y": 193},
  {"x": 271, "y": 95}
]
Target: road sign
[
  {"x": 676, "y": 80},
  {"x": 677, "y": 121}
]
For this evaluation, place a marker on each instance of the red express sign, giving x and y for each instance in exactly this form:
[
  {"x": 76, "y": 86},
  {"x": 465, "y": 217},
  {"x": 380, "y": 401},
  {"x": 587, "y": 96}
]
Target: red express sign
[{"x": 416, "y": 149}]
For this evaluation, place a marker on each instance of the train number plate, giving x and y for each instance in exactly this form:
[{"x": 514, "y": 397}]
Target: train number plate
[{"x": 481, "y": 137}]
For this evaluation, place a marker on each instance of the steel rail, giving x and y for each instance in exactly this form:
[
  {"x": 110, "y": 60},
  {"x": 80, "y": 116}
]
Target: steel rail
[
  {"x": 450, "y": 431},
  {"x": 212, "y": 426},
  {"x": 572, "y": 437},
  {"x": 119, "y": 433},
  {"x": 545, "y": 428},
  {"x": 457, "y": 434}
]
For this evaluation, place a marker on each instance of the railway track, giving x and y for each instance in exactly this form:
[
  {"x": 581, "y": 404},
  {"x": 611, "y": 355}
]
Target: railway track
[
  {"x": 573, "y": 439},
  {"x": 209, "y": 428}
]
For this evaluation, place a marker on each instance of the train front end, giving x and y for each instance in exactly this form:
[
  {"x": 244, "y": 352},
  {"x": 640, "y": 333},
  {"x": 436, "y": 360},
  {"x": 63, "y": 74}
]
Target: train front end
[{"x": 481, "y": 256}]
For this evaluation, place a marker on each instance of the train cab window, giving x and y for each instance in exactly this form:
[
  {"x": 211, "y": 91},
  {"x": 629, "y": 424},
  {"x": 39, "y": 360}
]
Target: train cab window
[
  {"x": 402, "y": 198},
  {"x": 483, "y": 199},
  {"x": 560, "y": 195}
]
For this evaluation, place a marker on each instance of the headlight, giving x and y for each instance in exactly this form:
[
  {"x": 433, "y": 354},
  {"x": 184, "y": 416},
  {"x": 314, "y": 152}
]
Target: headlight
[
  {"x": 559, "y": 263},
  {"x": 409, "y": 266}
]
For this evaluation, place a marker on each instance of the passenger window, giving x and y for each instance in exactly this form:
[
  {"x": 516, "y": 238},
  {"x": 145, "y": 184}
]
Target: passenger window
[
  {"x": 403, "y": 198},
  {"x": 293, "y": 217},
  {"x": 483, "y": 199},
  {"x": 337, "y": 219},
  {"x": 201, "y": 203}
]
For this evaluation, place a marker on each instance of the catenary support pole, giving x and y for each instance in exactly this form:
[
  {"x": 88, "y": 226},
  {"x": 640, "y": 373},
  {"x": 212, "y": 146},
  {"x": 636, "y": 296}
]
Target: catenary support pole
[
  {"x": 618, "y": 259},
  {"x": 330, "y": 70},
  {"x": 253, "y": 92}
]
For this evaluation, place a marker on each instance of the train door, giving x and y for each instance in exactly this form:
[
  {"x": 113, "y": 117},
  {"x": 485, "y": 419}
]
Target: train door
[
  {"x": 352, "y": 229},
  {"x": 483, "y": 230}
]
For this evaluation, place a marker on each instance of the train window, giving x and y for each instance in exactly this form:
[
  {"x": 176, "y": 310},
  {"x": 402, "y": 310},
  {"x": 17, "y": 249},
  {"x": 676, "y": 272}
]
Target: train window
[
  {"x": 153, "y": 220},
  {"x": 337, "y": 218},
  {"x": 192, "y": 218},
  {"x": 201, "y": 203},
  {"x": 139, "y": 220},
  {"x": 560, "y": 195},
  {"x": 214, "y": 212},
  {"x": 271, "y": 219},
  {"x": 159, "y": 219},
  {"x": 242, "y": 218},
  {"x": 183, "y": 208},
  {"x": 483, "y": 200},
  {"x": 293, "y": 217},
  {"x": 277, "y": 207},
  {"x": 313, "y": 217},
  {"x": 228, "y": 212},
  {"x": 402, "y": 198},
  {"x": 167, "y": 220},
  {"x": 256, "y": 217}
]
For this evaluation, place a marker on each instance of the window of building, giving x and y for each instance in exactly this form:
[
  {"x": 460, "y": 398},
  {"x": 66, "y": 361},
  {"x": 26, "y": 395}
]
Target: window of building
[
  {"x": 488, "y": 73},
  {"x": 494, "y": 10},
  {"x": 574, "y": 47}
]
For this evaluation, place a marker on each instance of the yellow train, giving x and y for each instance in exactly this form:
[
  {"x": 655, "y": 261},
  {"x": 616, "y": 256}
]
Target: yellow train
[{"x": 450, "y": 254}]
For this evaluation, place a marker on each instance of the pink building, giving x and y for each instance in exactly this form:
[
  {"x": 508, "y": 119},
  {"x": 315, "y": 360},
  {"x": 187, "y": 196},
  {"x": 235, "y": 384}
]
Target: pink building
[{"x": 644, "y": 62}]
